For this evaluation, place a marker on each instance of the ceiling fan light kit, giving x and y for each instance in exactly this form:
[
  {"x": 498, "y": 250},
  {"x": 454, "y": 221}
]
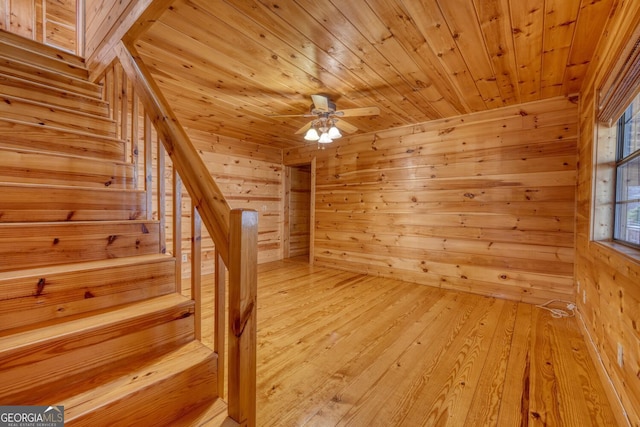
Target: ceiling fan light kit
[
  {"x": 323, "y": 130},
  {"x": 328, "y": 122}
]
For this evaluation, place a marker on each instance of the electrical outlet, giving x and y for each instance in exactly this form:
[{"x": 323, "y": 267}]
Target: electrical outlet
[
  {"x": 620, "y": 355},
  {"x": 184, "y": 257},
  {"x": 584, "y": 296}
]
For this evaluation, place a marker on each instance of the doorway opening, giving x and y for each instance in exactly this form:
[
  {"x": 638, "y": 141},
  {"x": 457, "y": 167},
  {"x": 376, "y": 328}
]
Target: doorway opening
[{"x": 299, "y": 212}]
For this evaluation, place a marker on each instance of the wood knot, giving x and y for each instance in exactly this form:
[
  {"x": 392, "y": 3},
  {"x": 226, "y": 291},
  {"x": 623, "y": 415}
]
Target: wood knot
[
  {"x": 40, "y": 286},
  {"x": 240, "y": 323}
]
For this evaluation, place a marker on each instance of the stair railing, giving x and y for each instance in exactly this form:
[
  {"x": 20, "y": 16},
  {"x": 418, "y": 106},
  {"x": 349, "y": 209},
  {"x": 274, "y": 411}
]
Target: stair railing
[{"x": 127, "y": 85}]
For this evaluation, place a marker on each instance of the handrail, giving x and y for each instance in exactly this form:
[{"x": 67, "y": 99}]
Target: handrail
[
  {"x": 234, "y": 233},
  {"x": 207, "y": 197}
]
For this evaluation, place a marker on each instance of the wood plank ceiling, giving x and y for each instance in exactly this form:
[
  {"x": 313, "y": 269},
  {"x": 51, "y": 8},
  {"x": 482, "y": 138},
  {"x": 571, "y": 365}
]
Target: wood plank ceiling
[{"x": 225, "y": 66}]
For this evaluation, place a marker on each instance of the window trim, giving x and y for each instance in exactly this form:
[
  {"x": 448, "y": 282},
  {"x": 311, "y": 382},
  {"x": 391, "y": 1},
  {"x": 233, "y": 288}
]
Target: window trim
[{"x": 620, "y": 160}]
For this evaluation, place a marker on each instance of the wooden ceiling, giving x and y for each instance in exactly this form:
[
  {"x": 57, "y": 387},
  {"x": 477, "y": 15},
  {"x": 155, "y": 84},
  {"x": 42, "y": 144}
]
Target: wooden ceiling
[{"x": 225, "y": 66}]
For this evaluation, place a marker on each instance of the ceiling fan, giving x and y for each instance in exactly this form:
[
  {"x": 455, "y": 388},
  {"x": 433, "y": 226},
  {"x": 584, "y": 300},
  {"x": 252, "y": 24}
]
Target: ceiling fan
[{"x": 327, "y": 122}]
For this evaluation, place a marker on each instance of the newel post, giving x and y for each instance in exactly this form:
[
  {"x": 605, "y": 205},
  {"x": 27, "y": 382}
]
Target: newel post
[{"x": 243, "y": 279}]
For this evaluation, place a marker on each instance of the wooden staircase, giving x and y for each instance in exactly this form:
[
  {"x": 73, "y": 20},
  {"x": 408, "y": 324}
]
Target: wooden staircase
[{"x": 90, "y": 314}]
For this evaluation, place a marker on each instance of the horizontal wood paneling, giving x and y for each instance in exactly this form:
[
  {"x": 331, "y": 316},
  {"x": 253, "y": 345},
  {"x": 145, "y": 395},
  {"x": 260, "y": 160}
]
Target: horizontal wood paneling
[
  {"x": 607, "y": 275},
  {"x": 250, "y": 177},
  {"x": 483, "y": 203}
]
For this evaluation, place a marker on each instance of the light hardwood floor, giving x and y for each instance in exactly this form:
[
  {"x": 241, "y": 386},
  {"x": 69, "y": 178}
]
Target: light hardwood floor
[{"x": 339, "y": 348}]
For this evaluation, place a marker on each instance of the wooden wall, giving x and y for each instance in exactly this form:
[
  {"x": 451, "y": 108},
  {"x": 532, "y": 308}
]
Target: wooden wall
[
  {"x": 52, "y": 22},
  {"x": 607, "y": 275},
  {"x": 481, "y": 203},
  {"x": 250, "y": 176}
]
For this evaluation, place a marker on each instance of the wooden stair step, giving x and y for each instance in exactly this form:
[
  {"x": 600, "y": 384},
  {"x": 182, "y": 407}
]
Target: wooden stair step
[
  {"x": 34, "y": 167},
  {"x": 213, "y": 414},
  {"x": 35, "y": 91},
  {"x": 16, "y": 67},
  {"x": 51, "y": 139},
  {"x": 62, "y": 358},
  {"x": 43, "y": 114},
  {"x": 182, "y": 380},
  {"x": 51, "y": 293},
  {"x": 44, "y": 55},
  {"x": 26, "y": 245},
  {"x": 50, "y": 203}
]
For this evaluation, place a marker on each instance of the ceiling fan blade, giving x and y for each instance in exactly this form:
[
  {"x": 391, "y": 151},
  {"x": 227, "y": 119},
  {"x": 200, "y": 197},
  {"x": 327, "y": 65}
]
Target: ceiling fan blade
[
  {"x": 320, "y": 102},
  {"x": 290, "y": 115},
  {"x": 345, "y": 126},
  {"x": 364, "y": 111},
  {"x": 304, "y": 128}
]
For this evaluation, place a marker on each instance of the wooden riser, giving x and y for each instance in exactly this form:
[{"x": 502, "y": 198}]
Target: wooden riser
[
  {"x": 156, "y": 394},
  {"x": 18, "y": 87},
  {"x": 49, "y": 293},
  {"x": 32, "y": 167},
  {"x": 42, "y": 55},
  {"x": 28, "y": 245},
  {"x": 38, "y": 203},
  {"x": 51, "y": 139},
  {"x": 61, "y": 359},
  {"x": 42, "y": 114},
  {"x": 13, "y": 67},
  {"x": 43, "y": 61}
]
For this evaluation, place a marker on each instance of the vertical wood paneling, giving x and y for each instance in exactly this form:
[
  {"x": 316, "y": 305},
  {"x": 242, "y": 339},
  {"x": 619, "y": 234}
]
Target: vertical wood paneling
[
  {"x": 496, "y": 24},
  {"x": 527, "y": 21},
  {"x": 22, "y": 18},
  {"x": 52, "y": 22},
  {"x": 481, "y": 203},
  {"x": 560, "y": 20},
  {"x": 4, "y": 15},
  {"x": 607, "y": 275}
]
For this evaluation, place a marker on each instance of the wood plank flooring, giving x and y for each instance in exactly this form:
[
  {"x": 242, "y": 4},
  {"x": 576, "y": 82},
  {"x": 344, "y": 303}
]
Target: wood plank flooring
[{"x": 338, "y": 348}]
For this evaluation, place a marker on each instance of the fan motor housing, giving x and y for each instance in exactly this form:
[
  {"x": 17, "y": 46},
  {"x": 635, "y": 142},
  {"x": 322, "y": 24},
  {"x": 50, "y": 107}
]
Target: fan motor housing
[{"x": 331, "y": 108}]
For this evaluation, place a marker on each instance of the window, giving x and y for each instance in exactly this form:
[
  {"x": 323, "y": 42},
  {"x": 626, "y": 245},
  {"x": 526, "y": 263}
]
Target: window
[{"x": 627, "y": 205}]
